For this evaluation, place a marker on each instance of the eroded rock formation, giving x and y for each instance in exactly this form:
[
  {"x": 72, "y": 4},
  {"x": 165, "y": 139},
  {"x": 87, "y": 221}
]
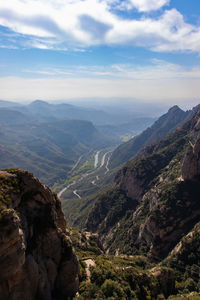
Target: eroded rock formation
[{"x": 36, "y": 256}]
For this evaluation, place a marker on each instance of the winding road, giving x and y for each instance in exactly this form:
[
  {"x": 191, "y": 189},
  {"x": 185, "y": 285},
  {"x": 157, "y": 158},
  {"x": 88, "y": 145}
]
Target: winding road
[
  {"x": 107, "y": 163},
  {"x": 96, "y": 160},
  {"x": 76, "y": 194}
]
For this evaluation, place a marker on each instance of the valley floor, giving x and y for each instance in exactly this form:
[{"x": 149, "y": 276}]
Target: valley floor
[{"x": 86, "y": 177}]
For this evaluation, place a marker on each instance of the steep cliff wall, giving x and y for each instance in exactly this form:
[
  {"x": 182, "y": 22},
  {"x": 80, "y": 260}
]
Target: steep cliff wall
[
  {"x": 36, "y": 256},
  {"x": 160, "y": 203}
]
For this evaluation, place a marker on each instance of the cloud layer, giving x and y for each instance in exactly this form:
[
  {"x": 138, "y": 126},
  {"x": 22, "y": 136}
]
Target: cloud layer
[
  {"x": 158, "y": 82},
  {"x": 59, "y": 24}
]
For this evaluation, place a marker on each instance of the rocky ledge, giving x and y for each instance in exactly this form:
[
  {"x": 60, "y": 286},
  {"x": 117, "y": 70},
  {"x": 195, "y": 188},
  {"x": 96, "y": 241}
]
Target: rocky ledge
[{"x": 36, "y": 256}]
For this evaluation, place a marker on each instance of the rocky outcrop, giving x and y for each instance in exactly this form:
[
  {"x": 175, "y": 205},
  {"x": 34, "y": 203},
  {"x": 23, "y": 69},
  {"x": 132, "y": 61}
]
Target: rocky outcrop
[
  {"x": 166, "y": 280},
  {"x": 172, "y": 201},
  {"x": 157, "y": 198},
  {"x": 36, "y": 256}
]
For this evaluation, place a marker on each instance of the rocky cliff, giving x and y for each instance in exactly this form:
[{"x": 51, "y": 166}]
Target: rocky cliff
[
  {"x": 36, "y": 256},
  {"x": 154, "y": 200}
]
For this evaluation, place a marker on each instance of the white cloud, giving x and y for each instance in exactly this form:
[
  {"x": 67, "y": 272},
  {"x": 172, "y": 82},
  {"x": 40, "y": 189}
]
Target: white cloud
[
  {"x": 144, "y": 5},
  {"x": 167, "y": 33},
  {"x": 76, "y": 24}
]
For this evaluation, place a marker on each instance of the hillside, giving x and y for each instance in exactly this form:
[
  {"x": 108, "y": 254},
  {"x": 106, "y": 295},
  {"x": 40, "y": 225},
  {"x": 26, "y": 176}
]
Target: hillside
[
  {"x": 37, "y": 260},
  {"x": 142, "y": 239},
  {"x": 76, "y": 210},
  {"x": 118, "y": 277},
  {"x": 154, "y": 200},
  {"x": 162, "y": 127},
  {"x": 48, "y": 149}
]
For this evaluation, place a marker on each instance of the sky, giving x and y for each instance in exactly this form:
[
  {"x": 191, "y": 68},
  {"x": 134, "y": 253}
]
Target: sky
[{"x": 146, "y": 50}]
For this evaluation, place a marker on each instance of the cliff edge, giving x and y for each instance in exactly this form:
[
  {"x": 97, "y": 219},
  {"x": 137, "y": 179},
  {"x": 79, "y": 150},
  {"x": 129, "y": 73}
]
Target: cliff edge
[{"x": 36, "y": 256}]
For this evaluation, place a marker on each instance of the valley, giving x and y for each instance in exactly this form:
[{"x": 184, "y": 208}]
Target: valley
[
  {"x": 90, "y": 182},
  {"x": 86, "y": 177},
  {"x": 125, "y": 210},
  {"x": 131, "y": 209},
  {"x": 52, "y": 139}
]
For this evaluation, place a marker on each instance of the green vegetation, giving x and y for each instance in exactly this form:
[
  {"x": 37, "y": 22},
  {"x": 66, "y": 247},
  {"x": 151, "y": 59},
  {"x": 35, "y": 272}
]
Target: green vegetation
[
  {"x": 9, "y": 185},
  {"x": 113, "y": 277},
  {"x": 135, "y": 277},
  {"x": 192, "y": 296},
  {"x": 158, "y": 169},
  {"x": 185, "y": 261}
]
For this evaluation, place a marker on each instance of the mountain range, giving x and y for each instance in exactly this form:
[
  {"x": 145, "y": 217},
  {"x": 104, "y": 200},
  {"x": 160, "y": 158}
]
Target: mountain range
[
  {"x": 154, "y": 200},
  {"x": 163, "y": 126},
  {"x": 77, "y": 211},
  {"x": 42, "y": 111},
  {"x": 47, "y": 139},
  {"x": 138, "y": 237},
  {"x": 152, "y": 209}
]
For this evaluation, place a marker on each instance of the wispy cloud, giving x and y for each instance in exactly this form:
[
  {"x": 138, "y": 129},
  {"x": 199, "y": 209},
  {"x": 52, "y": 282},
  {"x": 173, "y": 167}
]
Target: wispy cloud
[
  {"x": 79, "y": 24},
  {"x": 155, "y": 70},
  {"x": 159, "y": 81}
]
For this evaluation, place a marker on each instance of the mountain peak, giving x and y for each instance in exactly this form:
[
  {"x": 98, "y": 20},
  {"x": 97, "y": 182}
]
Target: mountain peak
[
  {"x": 39, "y": 102},
  {"x": 174, "y": 109}
]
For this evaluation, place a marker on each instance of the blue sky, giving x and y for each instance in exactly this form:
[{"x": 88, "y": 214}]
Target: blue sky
[{"x": 72, "y": 49}]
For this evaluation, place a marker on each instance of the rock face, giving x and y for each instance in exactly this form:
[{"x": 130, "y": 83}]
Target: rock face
[
  {"x": 191, "y": 164},
  {"x": 36, "y": 256},
  {"x": 154, "y": 200}
]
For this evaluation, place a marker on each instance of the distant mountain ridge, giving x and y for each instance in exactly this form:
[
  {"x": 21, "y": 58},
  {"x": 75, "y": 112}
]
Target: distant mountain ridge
[
  {"x": 43, "y": 111},
  {"x": 163, "y": 126}
]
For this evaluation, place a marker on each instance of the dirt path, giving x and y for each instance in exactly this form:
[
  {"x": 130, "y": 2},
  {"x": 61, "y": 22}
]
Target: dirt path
[
  {"x": 61, "y": 192},
  {"x": 66, "y": 188}
]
